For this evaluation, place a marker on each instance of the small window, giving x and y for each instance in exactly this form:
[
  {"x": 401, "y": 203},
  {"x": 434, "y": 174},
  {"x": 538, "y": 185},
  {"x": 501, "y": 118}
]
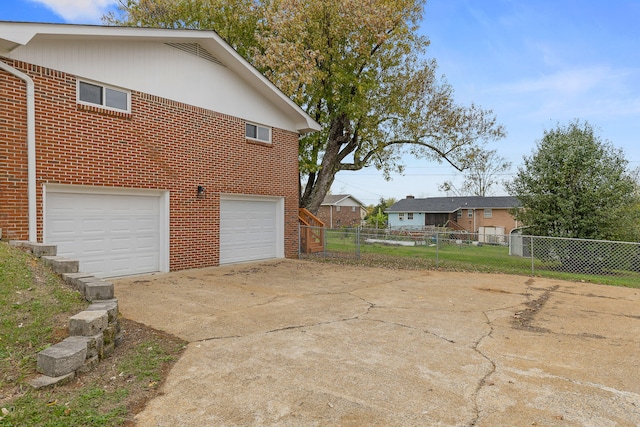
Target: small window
[
  {"x": 410, "y": 215},
  {"x": 488, "y": 213},
  {"x": 353, "y": 208},
  {"x": 337, "y": 208},
  {"x": 469, "y": 213},
  {"x": 107, "y": 97},
  {"x": 257, "y": 132},
  {"x": 459, "y": 214},
  {"x": 401, "y": 216}
]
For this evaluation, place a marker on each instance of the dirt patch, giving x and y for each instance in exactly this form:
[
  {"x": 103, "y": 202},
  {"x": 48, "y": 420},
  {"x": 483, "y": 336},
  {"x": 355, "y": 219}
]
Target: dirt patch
[{"x": 523, "y": 319}]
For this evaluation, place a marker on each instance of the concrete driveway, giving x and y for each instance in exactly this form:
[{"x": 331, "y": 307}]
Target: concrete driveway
[{"x": 297, "y": 343}]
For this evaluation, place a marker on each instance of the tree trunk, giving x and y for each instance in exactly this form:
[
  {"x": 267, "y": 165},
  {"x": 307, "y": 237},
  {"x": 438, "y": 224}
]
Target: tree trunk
[
  {"x": 321, "y": 187},
  {"x": 319, "y": 184}
]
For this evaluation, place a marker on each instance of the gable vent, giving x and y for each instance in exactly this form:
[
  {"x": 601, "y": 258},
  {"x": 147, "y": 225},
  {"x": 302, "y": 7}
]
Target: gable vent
[{"x": 196, "y": 50}]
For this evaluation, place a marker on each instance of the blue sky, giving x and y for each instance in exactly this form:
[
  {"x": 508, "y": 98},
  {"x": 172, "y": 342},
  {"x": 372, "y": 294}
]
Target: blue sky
[{"x": 535, "y": 64}]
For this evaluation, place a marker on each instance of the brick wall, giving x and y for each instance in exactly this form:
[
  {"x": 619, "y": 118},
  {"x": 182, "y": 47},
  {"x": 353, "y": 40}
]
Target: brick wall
[
  {"x": 161, "y": 144},
  {"x": 334, "y": 218},
  {"x": 499, "y": 218}
]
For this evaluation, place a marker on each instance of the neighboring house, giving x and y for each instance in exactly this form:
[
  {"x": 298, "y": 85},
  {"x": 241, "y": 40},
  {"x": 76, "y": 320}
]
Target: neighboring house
[
  {"x": 485, "y": 215},
  {"x": 138, "y": 150},
  {"x": 341, "y": 210}
]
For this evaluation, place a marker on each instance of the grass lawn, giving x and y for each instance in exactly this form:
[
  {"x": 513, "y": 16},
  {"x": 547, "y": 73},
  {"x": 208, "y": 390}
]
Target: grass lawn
[
  {"x": 461, "y": 256},
  {"x": 35, "y": 306}
]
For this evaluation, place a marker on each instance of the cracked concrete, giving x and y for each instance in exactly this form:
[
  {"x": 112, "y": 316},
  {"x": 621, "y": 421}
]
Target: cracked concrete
[{"x": 295, "y": 343}]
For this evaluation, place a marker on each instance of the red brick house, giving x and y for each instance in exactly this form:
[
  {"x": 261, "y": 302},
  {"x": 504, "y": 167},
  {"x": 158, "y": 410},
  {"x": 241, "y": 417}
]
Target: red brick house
[
  {"x": 341, "y": 210},
  {"x": 138, "y": 150}
]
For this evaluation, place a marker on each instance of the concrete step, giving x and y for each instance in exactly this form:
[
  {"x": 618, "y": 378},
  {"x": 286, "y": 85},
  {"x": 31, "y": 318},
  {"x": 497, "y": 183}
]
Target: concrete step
[
  {"x": 109, "y": 305},
  {"x": 88, "y": 323},
  {"x": 61, "y": 265},
  {"x": 38, "y": 249},
  {"x": 62, "y": 358},
  {"x": 73, "y": 279},
  {"x": 95, "y": 289}
]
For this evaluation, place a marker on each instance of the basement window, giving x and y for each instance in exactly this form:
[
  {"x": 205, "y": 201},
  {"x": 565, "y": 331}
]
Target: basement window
[
  {"x": 108, "y": 97},
  {"x": 258, "y": 133}
]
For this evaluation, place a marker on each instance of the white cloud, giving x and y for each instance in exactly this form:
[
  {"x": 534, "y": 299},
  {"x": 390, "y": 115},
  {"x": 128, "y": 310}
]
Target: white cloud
[
  {"x": 79, "y": 11},
  {"x": 580, "y": 92}
]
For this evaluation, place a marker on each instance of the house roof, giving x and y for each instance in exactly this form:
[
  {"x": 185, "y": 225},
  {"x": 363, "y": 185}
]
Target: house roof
[
  {"x": 335, "y": 199},
  {"x": 16, "y": 34},
  {"x": 452, "y": 204}
]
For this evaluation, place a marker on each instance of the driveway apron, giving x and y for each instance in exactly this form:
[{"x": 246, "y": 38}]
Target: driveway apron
[{"x": 298, "y": 343}]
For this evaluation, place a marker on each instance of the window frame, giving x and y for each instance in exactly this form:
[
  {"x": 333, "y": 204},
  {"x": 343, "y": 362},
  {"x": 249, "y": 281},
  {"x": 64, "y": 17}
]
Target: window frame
[
  {"x": 409, "y": 216},
  {"x": 103, "y": 89},
  {"x": 401, "y": 216},
  {"x": 469, "y": 213},
  {"x": 488, "y": 213},
  {"x": 257, "y": 133}
]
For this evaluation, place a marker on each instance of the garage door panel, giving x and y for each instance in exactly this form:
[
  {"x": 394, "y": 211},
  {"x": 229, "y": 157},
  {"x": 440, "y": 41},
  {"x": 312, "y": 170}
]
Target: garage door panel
[
  {"x": 110, "y": 234},
  {"x": 248, "y": 230},
  {"x": 93, "y": 226}
]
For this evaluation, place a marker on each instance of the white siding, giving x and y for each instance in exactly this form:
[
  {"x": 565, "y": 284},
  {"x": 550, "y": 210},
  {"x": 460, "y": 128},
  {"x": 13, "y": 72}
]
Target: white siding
[{"x": 157, "y": 69}]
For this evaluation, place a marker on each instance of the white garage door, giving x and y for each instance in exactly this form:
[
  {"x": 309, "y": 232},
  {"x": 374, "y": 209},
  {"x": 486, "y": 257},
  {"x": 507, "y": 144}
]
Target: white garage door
[
  {"x": 251, "y": 229},
  {"x": 111, "y": 234}
]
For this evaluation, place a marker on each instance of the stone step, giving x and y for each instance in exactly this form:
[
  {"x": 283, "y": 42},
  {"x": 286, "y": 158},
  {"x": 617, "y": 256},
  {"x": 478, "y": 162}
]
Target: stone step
[
  {"x": 73, "y": 280},
  {"x": 62, "y": 358},
  {"x": 61, "y": 265},
  {"x": 88, "y": 323},
  {"x": 109, "y": 305},
  {"x": 94, "y": 344},
  {"x": 38, "y": 249},
  {"x": 95, "y": 289}
]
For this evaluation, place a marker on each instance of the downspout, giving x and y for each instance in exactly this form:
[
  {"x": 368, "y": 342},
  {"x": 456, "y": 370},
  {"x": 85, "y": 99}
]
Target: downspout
[{"x": 31, "y": 147}]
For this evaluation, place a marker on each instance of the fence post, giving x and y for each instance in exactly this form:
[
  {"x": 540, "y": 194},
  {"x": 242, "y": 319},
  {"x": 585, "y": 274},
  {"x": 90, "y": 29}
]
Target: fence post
[
  {"x": 358, "y": 242},
  {"x": 533, "y": 273},
  {"x": 299, "y": 242},
  {"x": 324, "y": 241},
  {"x": 437, "y": 247}
]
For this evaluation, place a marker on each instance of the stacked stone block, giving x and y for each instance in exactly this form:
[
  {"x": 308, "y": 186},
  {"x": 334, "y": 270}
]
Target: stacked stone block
[{"x": 93, "y": 333}]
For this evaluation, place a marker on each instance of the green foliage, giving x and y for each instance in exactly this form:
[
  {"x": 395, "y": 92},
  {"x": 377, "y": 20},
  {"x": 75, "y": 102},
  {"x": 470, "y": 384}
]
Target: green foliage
[
  {"x": 358, "y": 69},
  {"x": 576, "y": 185},
  {"x": 376, "y": 215}
]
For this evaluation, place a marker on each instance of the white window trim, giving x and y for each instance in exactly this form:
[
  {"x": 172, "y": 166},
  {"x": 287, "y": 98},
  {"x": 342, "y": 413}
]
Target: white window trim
[
  {"x": 268, "y": 128},
  {"x": 104, "y": 87},
  {"x": 488, "y": 213}
]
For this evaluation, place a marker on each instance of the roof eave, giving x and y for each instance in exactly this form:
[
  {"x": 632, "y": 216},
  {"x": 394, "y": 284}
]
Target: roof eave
[{"x": 17, "y": 34}]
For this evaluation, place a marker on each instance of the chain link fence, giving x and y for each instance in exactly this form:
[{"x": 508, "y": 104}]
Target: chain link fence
[{"x": 573, "y": 259}]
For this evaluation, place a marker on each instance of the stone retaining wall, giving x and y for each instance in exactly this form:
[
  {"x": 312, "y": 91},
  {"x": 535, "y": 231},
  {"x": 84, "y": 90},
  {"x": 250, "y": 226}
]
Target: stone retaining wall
[{"x": 93, "y": 333}]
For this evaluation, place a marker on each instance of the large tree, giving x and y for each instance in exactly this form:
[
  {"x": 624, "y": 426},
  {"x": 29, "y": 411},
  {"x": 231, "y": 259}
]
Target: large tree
[
  {"x": 481, "y": 174},
  {"x": 577, "y": 185},
  {"x": 356, "y": 66}
]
